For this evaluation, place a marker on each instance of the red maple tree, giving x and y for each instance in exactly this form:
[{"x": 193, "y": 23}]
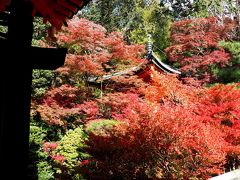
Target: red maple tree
[
  {"x": 195, "y": 47},
  {"x": 93, "y": 51}
]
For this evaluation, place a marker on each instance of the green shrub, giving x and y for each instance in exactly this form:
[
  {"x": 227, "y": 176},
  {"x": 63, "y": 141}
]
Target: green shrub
[
  {"x": 37, "y": 134},
  {"x": 45, "y": 171},
  {"x": 99, "y": 127},
  {"x": 39, "y": 167},
  {"x": 230, "y": 73},
  {"x": 42, "y": 80},
  {"x": 234, "y": 49},
  {"x": 72, "y": 148}
]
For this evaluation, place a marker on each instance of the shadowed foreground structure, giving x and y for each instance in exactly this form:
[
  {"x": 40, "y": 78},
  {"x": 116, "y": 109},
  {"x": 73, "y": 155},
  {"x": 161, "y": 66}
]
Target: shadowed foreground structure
[{"x": 18, "y": 61}]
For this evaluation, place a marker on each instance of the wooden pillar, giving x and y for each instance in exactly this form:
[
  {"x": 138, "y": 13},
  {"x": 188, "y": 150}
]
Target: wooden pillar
[
  {"x": 17, "y": 60},
  {"x": 15, "y": 93}
]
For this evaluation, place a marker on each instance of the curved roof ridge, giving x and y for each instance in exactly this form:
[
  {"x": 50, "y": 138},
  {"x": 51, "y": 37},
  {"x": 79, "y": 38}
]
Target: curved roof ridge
[{"x": 164, "y": 67}]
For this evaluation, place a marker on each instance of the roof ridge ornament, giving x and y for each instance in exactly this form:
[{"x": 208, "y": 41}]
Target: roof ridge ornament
[
  {"x": 149, "y": 45},
  {"x": 151, "y": 56}
]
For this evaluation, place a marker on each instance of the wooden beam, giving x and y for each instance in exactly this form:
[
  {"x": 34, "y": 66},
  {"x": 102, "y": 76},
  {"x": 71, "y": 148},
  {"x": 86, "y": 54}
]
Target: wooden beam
[{"x": 47, "y": 58}]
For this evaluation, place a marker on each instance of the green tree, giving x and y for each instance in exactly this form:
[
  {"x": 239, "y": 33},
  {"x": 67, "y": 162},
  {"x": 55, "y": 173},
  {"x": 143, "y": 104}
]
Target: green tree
[
  {"x": 42, "y": 80},
  {"x": 134, "y": 18},
  {"x": 155, "y": 21},
  {"x": 180, "y": 9},
  {"x": 40, "y": 29},
  {"x": 231, "y": 73},
  {"x": 113, "y": 15}
]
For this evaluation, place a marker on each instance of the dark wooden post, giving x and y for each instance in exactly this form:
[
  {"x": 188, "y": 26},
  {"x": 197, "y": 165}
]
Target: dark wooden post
[
  {"x": 17, "y": 60},
  {"x": 16, "y": 76}
]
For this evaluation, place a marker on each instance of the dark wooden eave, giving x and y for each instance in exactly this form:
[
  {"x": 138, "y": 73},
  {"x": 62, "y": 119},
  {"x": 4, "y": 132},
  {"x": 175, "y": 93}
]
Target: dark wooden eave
[
  {"x": 56, "y": 12},
  {"x": 162, "y": 66},
  {"x": 152, "y": 60},
  {"x": 128, "y": 72}
]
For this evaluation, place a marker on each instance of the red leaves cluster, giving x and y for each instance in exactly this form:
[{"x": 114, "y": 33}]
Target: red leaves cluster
[
  {"x": 93, "y": 51},
  {"x": 164, "y": 141},
  {"x": 66, "y": 101},
  {"x": 195, "y": 47},
  {"x": 88, "y": 33},
  {"x": 58, "y": 104},
  {"x": 58, "y": 158},
  {"x": 90, "y": 110},
  {"x": 49, "y": 147},
  {"x": 166, "y": 89},
  {"x": 221, "y": 106},
  {"x": 64, "y": 96},
  {"x": 175, "y": 131}
]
